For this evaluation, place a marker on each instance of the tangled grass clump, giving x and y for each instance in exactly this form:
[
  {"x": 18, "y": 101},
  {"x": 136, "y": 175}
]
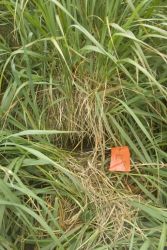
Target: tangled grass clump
[{"x": 77, "y": 78}]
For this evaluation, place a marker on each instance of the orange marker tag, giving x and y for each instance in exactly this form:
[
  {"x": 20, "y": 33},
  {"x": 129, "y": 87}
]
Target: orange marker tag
[{"x": 120, "y": 159}]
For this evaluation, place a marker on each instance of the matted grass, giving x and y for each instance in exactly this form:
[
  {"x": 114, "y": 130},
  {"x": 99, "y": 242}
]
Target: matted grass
[{"x": 78, "y": 77}]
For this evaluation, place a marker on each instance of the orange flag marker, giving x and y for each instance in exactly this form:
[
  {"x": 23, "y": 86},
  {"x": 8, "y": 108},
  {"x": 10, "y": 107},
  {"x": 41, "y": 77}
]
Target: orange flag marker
[{"x": 120, "y": 159}]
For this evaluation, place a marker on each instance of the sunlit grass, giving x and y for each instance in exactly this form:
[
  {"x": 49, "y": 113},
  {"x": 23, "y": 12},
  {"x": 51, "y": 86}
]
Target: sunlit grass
[{"x": 78, "y": 77}]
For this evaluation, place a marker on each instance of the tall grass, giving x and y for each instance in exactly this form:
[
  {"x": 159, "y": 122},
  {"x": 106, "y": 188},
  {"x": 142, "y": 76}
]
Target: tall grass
[{"x": 78, "y": 77}]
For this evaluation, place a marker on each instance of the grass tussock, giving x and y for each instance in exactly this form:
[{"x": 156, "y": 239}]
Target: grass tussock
[{"x": 78, "y": 77}]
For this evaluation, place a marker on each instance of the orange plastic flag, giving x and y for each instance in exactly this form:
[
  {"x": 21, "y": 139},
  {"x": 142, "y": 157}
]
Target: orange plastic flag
[{"x": 120, "y": 159}]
